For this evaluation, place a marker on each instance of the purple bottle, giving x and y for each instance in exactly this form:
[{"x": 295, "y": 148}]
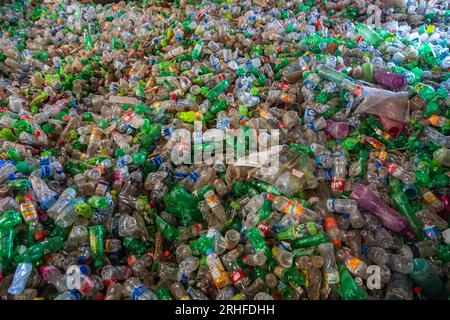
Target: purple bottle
[
  {"x": 391, "y": 80},
  {"x": 339, "y": 130},
  {"x": 390, "y": 218}
]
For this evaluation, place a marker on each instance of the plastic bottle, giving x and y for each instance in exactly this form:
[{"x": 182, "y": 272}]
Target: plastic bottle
[{"x": 330, "y": 268}]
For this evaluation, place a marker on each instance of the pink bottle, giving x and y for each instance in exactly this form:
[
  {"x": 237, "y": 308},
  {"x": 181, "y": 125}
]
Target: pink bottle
[
  {"x": 445, "y": 199},
  {"x": 391, "y": 80},
  {"x": 339, "y": 130},
  {"x": 392, "y": 127},
  {"x": 390, "y": 218}
]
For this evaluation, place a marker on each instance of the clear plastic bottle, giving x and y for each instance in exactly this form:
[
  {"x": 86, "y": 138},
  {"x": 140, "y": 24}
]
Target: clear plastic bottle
[
  {"x": 219, "y": 276},
  {"x": 330, "y": 268},
  {"x": 134, "y": 289},
  {"x": 52, "y": 275},
  {"x": 64, "y": 199},
  {"x": 398, "y": 172},
  {"x": 186, "y": 267},
  {"x": 339, "y": 171}
]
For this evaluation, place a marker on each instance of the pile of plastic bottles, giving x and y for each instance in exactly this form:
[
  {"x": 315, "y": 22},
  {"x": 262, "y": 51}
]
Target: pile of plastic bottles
[{"x": 92, "y": 100}]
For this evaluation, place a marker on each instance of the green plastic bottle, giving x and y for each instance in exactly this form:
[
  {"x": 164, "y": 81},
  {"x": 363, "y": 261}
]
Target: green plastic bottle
[
  {"x": 180, "y": 196},
  {"x": 256, "y": 240},
  {"x": 163, "y": 293},
  {"x": 201, "y": 245},
  {"x": 218, "y": 89},
  {"x": 314, "y": 240},
  {"x": 348, "y": 288},
  {"x": 10, "y": 219},
  {"x": 401, "y": 203},
  {"x": 424, "y": 91},
  {"x": 298, "y": 231},
  {"x": 170, "y": 232},
  {"x": 97, "y": 244},
  {"x": 196, "y": 52},
  {"x": 6, "y": 246},
  {"x": 370, "y": 36},
  {"x": 290, "y": 275},
  {"x": 135, "y": 246},
  {"x": 98, "y": 202},
  {"x": 443, "y": 253}
]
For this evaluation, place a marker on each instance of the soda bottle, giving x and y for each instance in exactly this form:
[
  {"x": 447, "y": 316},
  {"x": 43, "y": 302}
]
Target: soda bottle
[
  {"x": 355, "y": 266},
  {"x": 10, "y": 219},
  {"x": 339, "y": 172},
  {"x": 282, "y": 256},
  {"x": 398, "y": 172},
  {"x": 293, "y": 209},
  {"x": 298, "y": 231},
  {"x": 97, "y": 244},
  {"x": 310, "y": 241},
  {"x": 330, "y": 268},
  {"x": 256, "y": 240},
  {"x": 401, "y": 203},
  {"x": 238, "y": 278},
  {"x": 218, "y": 273},
  {"x": 134, "y": 289}
]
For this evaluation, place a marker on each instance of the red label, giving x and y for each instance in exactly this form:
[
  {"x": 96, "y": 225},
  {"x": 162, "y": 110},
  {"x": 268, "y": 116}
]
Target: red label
[
  {"x": 87, "y": 286},
  {"x": 392, "y": 167},
  {"x": 127, "y": 117},
  {"x": 329, "y": 223},
  {"x": 337, "y": 184},
  {"x": 237, "y": 276},
  {"x": 263, "y": 227}
]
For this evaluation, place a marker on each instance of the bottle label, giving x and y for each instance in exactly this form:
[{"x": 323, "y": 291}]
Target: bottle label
[
  {"x": 263, "y": 227},
  {"x": 217, "y": 272},
  {"x": 101, "y": 189},
  {"x": 157, "y": 160},
  {"x": 294, "y": 209},
  {"x": 337, "y": 184},
  {"x": 352, "y": 264},
  {"x": 138, "y": 292},
  {"x": 297, "y": 173},
  {"x": 429, "y": 197},
  {"x": 332, "y": 277},
  {"x": 312, "y": 228},
  {"x": 330, "y": 223},
  {"x": 131, "y": 260},
  {"x": 45, "y": 171},
  {"x": 211, "y": 199},
  {"x": 88, "y": 285},
  {"x": 237, "y": 276},
  {"x": 184, "y": 277},
  {"x": 330, "y": 204},
  {"x": 392, "y": 167},
  {"x": 194, "y": 176},
  {"x": 431, "y": 232},
  {"x": 29, "y": 212},
  {"x": 382, "y": 156},
  {"x": 96, "y": 133},
  {"x": 115, "y": 226},
  {"x": 179, "y": 175},
  {"x": 127, "y": 117}
]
